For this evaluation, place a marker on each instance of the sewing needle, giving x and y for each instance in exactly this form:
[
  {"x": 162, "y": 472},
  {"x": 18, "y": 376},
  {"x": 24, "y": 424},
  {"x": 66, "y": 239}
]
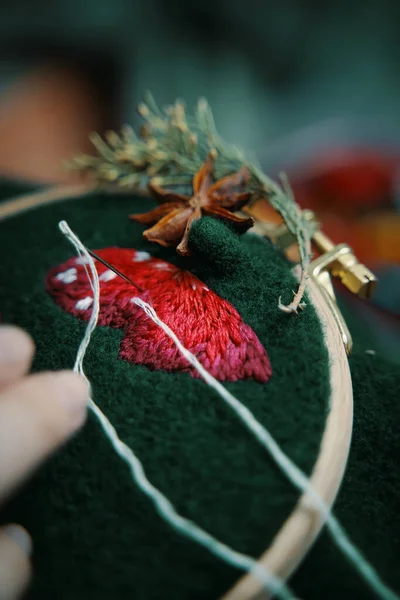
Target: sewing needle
[{"x": 112, "y": 268}]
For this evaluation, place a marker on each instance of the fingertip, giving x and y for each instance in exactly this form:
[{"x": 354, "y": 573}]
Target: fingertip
[
  {"x": 20, "y": 536},
  {"x": 37, "y": 415},
  {"x": 15, "y": 566},
  {"x": 72, "y": 392},
  {"x": 16, "y": 346},
  {"x": 75, "y": 382}
]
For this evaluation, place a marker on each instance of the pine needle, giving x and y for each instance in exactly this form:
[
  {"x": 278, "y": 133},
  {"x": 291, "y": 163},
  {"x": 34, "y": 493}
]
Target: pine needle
[{"x": 170, "y": 149}]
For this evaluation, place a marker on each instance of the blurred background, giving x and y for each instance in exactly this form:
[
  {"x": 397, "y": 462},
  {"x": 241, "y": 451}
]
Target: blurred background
[{"x": 313, "y": 88}]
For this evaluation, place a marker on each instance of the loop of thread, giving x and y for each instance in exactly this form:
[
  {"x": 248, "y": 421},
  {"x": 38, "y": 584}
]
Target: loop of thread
[
  {"x": 294, "y": 474},
  {"x": 164, "y": 507}
]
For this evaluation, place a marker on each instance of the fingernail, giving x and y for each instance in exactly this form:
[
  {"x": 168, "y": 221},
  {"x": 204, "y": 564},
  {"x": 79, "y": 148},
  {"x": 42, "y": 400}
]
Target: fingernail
[
  {"x": 20, "y": 536},
  {"x": 73, "y": 394},
  {"x": 15, "y": 345}
]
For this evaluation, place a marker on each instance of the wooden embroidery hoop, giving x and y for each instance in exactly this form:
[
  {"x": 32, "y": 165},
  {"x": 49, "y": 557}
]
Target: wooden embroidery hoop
[{"x": 302, "y": 527}]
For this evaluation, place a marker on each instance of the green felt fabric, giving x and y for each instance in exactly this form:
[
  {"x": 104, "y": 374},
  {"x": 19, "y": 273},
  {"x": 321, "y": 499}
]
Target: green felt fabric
[
  {"x": 95, "y": 534},
  {"x": 369, "y": 501}
]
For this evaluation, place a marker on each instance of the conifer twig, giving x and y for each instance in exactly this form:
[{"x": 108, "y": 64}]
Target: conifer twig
[{"x": 170, "y": 149}]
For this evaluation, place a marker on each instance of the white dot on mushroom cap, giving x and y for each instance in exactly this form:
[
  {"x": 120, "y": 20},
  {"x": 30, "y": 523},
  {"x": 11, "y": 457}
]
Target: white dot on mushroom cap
[
  {"x": 141, "y": 256},
  {"x": 107, "y": 275},
  {"x": 68, "y": 276},
  {"x": 84, "y": 303}
]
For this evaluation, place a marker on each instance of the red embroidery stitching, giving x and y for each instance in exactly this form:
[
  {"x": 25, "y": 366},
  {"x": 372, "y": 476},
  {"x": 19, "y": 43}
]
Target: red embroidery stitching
[{"x": 207, "y": 325}]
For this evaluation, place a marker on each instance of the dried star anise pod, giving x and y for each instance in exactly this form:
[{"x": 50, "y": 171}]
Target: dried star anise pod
[{"x": 172, "y": 220}]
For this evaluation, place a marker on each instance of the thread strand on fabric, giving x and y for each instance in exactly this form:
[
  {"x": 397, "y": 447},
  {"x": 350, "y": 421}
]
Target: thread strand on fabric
[
  {"x": 163, "y": 506},
  {"x": 294, "y": 474}
]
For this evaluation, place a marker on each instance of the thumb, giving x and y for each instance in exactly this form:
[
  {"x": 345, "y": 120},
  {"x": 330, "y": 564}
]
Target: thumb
[{"x": 15, "y": 567}]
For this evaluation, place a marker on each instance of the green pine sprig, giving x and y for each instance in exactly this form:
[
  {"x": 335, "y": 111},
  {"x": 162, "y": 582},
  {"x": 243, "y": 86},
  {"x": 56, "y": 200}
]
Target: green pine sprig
[{"x": 170, "y": 149}]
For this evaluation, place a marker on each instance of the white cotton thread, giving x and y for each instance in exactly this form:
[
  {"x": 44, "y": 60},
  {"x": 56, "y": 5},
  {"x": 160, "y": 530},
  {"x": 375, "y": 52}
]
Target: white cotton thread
[
  {"x": 94, "y": 284},
  {"x": 288, "y": 467},
  {"x": 184, "y": 526},
  {"x": 164, "y": 507}
]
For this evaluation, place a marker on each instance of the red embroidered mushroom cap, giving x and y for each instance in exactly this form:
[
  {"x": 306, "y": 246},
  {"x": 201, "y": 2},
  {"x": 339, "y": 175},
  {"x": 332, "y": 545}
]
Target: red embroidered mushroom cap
[{"x": 207, "y": 325}]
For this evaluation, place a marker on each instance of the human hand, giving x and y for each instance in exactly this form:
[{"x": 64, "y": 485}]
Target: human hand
[{"x": 37, "y": 414}]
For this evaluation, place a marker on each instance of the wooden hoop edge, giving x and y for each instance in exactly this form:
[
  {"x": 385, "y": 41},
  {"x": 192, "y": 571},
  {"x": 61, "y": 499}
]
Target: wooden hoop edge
[
  {"x": 20, "y": 204},
  {"x": 301, "y": 529}
]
